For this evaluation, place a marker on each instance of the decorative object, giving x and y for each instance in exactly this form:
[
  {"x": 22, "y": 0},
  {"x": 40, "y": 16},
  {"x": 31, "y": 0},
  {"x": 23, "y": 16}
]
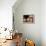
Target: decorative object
[
  {"x": 28, "y": 18},
  {"x": 29, "y": 43},
  {"x": 5, "y": 33},
  {"x": 9, "y": 34}
]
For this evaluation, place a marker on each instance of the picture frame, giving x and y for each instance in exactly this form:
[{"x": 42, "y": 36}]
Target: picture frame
[{"x": 28, "y": 18}]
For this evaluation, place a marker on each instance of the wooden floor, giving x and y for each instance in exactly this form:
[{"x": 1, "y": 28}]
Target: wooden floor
[{"x": 9, "y": 43}]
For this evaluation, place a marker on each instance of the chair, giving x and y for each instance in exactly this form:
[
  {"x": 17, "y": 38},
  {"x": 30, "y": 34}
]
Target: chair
[{"x": 18, "y": 39}]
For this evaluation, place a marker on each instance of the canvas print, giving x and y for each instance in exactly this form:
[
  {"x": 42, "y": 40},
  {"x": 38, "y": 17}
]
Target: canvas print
[{"x": 28, "y": 18}]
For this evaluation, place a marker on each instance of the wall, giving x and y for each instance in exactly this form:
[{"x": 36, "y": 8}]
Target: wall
[
  {"x": 30, "y": 31},
  {"x": 43, "y": 22},
  {"x": 6, "y": 13}
]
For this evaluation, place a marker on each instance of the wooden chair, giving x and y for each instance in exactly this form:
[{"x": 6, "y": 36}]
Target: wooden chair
[{"x": 18, "y": 39}]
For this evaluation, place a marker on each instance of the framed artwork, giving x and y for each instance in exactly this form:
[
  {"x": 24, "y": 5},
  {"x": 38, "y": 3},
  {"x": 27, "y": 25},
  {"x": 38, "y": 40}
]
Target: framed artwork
[{"x": 28, "y": 18}]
